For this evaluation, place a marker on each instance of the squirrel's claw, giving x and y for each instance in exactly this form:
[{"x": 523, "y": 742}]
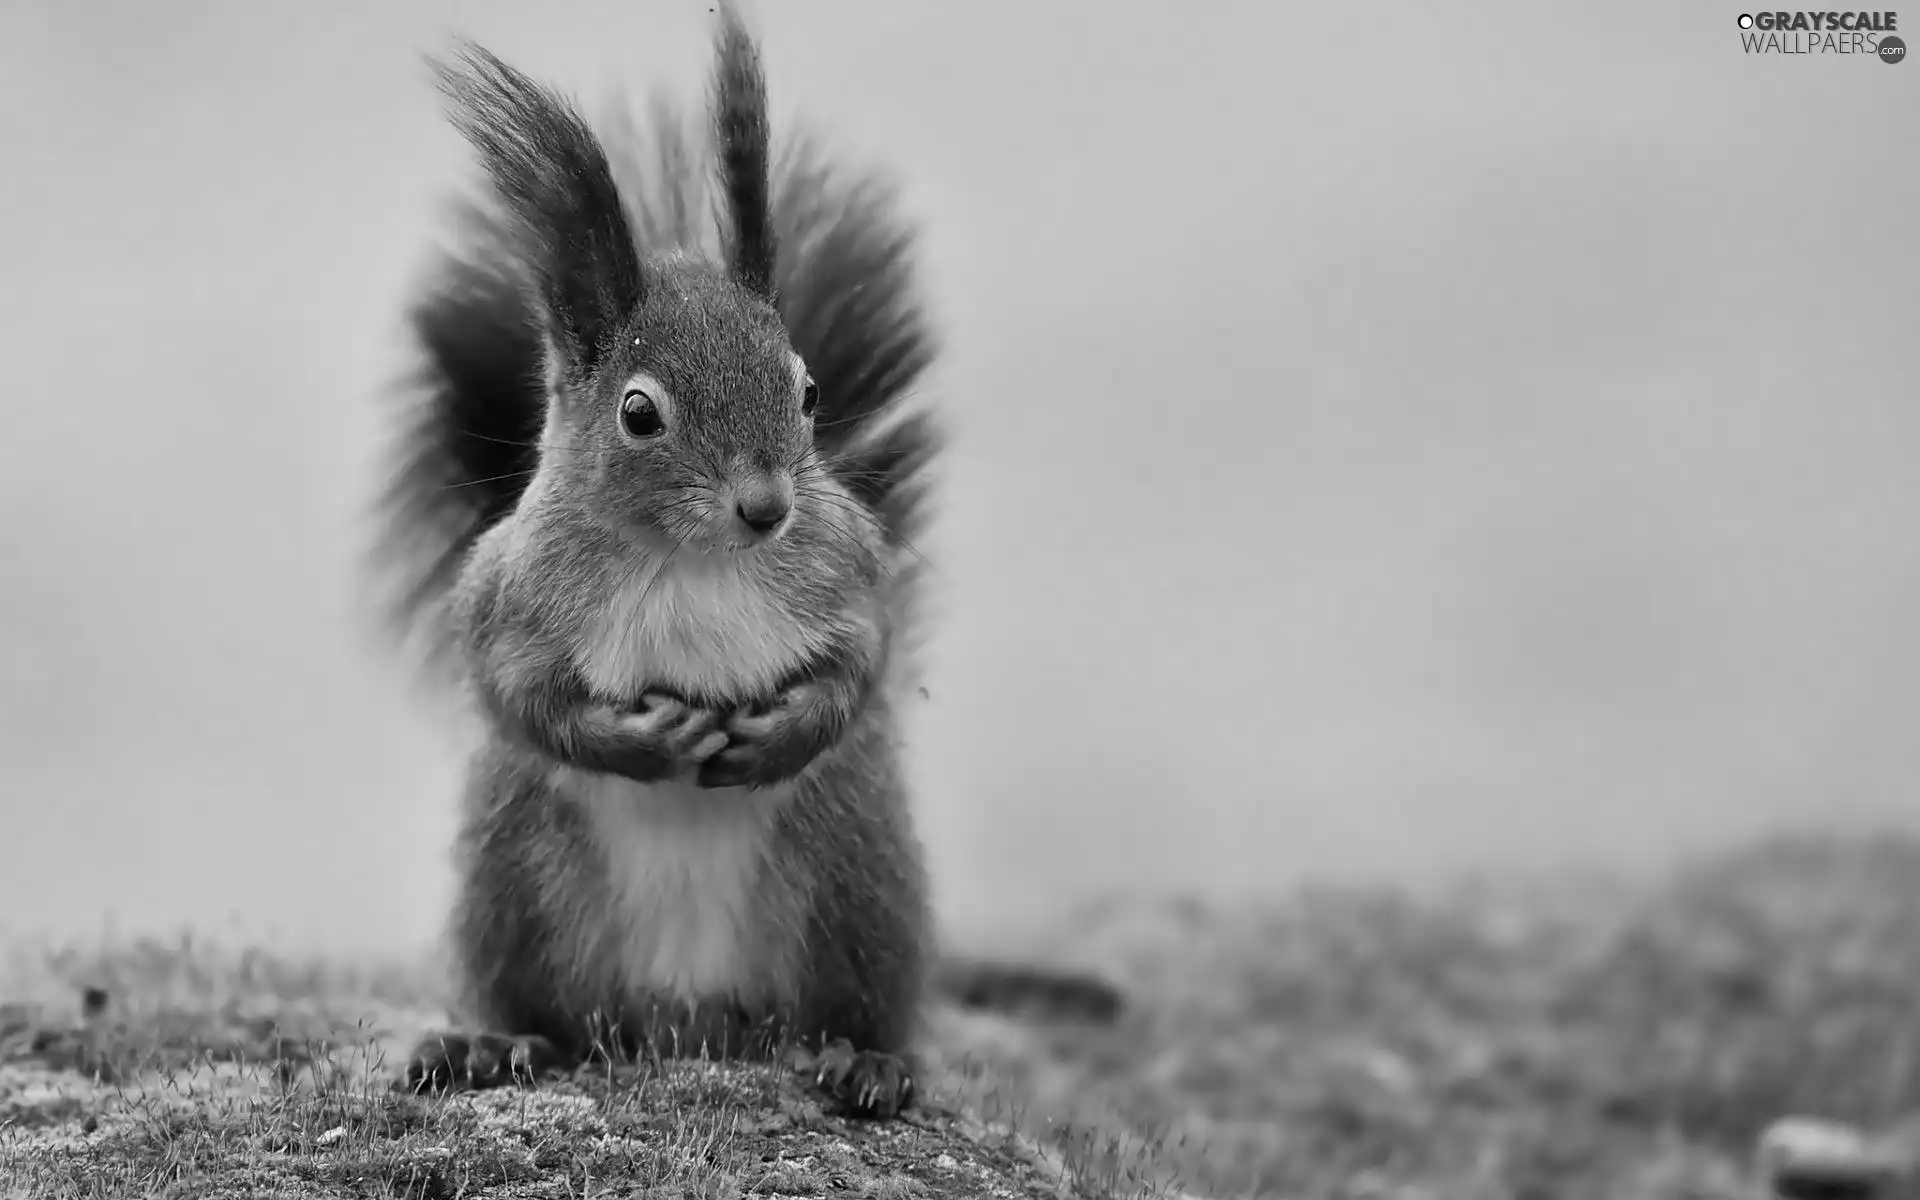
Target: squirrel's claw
[
  {"x": 455, "y": 1061},
  {"x": 660, "y": 714},
  {"x": 675, "y": 729},
  {"x": 762, "y": 739},
  {"x": 789, "y": 706},
  {"x": 865, "y": 1082}
]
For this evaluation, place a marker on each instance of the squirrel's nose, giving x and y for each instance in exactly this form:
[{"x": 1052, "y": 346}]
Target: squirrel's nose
[{"x": 763, "y": 506}]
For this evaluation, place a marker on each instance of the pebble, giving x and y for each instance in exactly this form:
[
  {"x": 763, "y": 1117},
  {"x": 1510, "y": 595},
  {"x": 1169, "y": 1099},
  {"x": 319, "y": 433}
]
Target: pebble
[{"x": 1803, "y": 1157}]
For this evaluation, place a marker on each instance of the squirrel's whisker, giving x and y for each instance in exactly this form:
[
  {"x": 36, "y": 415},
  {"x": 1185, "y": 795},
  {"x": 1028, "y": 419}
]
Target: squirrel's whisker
[
  {"x": 466, "y": 483},
  {"x": 500, "y": 441},
  {"x": 861, "y": 551},
  {"x": 639, "y": 605},
  {"x": 854, "y": 506}
]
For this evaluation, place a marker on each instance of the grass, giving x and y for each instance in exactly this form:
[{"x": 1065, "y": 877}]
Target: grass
[{"x": 1558, "y": 1039}]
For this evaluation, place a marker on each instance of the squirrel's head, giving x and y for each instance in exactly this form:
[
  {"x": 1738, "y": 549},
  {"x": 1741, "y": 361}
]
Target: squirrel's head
[
  {"x": 677, "y": 406},
  {"x": 695, "y": 424}
]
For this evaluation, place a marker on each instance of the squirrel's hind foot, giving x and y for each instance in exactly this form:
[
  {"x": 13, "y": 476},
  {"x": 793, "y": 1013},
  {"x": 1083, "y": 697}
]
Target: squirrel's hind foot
[
  {"x": 443, "y": 1062},
  {"x": 867, "y": 1083}
]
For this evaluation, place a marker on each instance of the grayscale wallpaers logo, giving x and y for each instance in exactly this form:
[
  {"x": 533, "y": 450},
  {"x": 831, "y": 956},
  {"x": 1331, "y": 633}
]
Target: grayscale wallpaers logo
[{"x": 1867, "y": 34}]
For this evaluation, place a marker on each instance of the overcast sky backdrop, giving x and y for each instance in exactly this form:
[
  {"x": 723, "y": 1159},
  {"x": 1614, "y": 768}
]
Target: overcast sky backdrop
[{"x": 1391, "y": 438}]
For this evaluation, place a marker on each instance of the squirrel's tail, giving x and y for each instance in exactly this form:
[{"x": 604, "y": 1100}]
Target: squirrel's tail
[
  {"x": 466, "y": 431},
  {"x": 841, "y": 264}
]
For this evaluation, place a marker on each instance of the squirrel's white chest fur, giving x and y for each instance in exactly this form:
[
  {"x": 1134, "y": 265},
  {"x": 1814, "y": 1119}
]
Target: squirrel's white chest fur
[
  {"x": 697, "y": 911},
  {"x": 703, "y": 627},
  {"x": 690, "y": 886}
]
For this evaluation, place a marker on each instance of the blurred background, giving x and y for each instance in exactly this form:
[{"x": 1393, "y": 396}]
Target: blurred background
[{"x": 1390, "y": 442}]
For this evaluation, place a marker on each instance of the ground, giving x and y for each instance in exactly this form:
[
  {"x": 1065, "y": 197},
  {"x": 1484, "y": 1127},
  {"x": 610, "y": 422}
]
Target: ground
[{"x": 1559, "y": 1038}]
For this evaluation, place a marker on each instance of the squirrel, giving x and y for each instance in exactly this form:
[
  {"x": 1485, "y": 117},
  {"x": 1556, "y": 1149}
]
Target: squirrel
[
  {"x": 654, "y": 509},
  {"x": 651, "y": 508}
]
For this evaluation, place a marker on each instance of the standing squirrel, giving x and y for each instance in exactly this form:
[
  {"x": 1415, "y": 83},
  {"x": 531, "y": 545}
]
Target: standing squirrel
[
  {"x": 655, "y": 508},
  {"x": 653, "y": 500}
]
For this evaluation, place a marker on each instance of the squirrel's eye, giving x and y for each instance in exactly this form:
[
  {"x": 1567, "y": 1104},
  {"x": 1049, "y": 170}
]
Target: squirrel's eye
[
  {"x": 809, "y": 397},
  {"x": 639, "y": 415}
]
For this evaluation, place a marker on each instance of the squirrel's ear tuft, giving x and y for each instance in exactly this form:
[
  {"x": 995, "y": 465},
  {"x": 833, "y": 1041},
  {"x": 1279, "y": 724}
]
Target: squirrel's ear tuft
[
  {"x": 551, "y": 174},
  {"x": 741, "y": 127}
]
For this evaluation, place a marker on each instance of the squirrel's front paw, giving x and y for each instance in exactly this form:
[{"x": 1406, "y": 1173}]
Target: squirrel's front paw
[
  {"x": 770, "y": 744},
  {"x": 679, "y": 734}
]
